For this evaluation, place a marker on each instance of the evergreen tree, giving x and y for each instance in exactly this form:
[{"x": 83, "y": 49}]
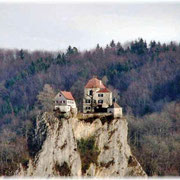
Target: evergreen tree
[
  {"x": 69, "y": 51},
  {"x": 139, "y": 47},
  {"x": 120, "y": 49},
  {"x": 97, "y": 47},
  {"x": 21, "y": 54},
  {"x": 112, "y": 44}
]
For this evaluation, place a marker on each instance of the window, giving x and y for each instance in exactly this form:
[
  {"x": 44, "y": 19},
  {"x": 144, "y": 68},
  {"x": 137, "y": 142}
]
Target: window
[
  {"x": 100, "y": 95},
  {"x": 94, "y": 101},
  {"x": 61, "y": 102},
  {"x": 100, "y": 101},
  {"x": 88, "y": 108},
  {"x": 88, "y": 101},
  {"x": 59, "y": 95},
  {"x": 91, "y": 92}
]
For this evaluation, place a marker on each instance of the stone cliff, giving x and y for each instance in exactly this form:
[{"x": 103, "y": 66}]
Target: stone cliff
[{"x": 95, "y": 146}]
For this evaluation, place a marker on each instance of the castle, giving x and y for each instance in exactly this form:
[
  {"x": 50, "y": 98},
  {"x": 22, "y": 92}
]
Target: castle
[{"x": 97, "y": 99}]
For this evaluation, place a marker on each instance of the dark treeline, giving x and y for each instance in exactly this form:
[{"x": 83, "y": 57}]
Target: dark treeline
[{"x": 145, "y": 80}]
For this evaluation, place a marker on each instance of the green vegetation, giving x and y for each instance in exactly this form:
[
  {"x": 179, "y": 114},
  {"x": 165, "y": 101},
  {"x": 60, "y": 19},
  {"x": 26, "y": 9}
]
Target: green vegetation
[{"x": 88, "y": 152}]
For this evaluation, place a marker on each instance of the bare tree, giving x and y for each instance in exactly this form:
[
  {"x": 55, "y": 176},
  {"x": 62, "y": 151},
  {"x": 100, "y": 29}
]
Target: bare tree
[
  {"x": 46, "y": 98},
  {"x": 105, "y": 80}
]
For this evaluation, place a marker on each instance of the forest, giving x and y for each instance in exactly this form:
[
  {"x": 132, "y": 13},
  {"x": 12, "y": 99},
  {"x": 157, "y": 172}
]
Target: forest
[{"x": 144, "y": 78}]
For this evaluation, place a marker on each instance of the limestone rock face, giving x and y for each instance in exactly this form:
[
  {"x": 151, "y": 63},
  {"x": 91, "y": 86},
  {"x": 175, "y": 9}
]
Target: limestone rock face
[
  {"x": 59, "y": 154},
  {"x": 115, "y": 157}
]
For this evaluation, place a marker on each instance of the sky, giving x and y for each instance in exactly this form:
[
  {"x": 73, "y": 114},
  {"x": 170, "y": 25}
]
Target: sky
[{"x": 56, "y": 25}]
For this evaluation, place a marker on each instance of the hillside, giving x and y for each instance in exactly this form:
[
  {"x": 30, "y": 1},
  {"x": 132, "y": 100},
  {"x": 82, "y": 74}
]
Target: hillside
[{"x": 144, "y": 79}]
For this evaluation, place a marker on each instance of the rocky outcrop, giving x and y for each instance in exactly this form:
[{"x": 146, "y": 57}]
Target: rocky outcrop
[
  {"x": 115, "y": 157},
  {"x": 58, "y": 155},
  {"x": 74, "y": 147}
]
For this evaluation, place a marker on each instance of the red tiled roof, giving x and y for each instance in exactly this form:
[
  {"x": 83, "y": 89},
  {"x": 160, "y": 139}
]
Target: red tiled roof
[
  {"x": 105, "y": 90},
  {"x": 67, "y": 95},
  {"x": 95, "y": 83}
]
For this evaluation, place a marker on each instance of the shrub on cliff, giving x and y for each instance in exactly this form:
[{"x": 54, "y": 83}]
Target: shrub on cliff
[{"x": 88, "y": 152}]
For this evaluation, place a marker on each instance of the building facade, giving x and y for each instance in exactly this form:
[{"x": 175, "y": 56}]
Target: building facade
[
  {"x": 64, "y": 101},
  {"x": 97, "y": 98},
  {"x": 115, "y": 110}
]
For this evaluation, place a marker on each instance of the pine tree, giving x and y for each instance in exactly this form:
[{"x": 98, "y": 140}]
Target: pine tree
[
  {"x": 21, "y": 54},
  {"x": 112, "y": 44}
]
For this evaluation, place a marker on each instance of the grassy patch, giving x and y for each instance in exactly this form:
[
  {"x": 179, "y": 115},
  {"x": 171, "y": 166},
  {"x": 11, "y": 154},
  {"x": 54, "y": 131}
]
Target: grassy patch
[{"x": 88, "y": 152}]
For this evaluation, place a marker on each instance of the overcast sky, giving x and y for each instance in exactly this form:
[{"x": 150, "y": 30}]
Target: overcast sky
[{"x": 55, "y": 26}]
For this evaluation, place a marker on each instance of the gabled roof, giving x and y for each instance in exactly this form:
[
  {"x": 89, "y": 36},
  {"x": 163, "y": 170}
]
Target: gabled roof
[
  {"x": 105, "y": 90},
  {"x": 115, "y": 105},
  {"x": 95, "y": 83},
  {"x": 67, "y": 95}
]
